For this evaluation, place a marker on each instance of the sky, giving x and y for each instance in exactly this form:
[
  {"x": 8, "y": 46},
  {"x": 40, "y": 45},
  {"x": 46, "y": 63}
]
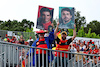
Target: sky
[{"x": 28, "y": 9}]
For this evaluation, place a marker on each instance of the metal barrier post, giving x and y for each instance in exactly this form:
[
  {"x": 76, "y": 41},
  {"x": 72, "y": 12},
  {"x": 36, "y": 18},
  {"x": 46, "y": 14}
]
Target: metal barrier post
[
  {"x": 47, "y": 58},
  {"x": 5, "y": 56},
  {"x": 65, "y": 60},
  {"x": 43, "y": 58},
  {"x": 21, "y": 56},
  {"x": 29, "y": 58},
  {"x": 35, "y": 59},
  {"x": 0, "y": 60},
  {"x": 61, "y": 59},
  {"x": 25, "y": 57},
  {"x": 57, "y": 60},
  {"x": 50, "y": 58},
  {"x": 68, "y": 59},
  {"x": 13, "y": 56},
  {"x": 9, "y": 55},
  {"x": 17, "y": 56},
  {"x": 39, "y": 58}
]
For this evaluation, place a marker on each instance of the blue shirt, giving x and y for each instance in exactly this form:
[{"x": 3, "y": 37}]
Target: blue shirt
[{"x": 48, "y": 40}]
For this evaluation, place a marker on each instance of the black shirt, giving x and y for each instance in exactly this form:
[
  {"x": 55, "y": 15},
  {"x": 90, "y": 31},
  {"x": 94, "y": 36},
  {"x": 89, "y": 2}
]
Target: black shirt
[{"x": 68, "y": 42}]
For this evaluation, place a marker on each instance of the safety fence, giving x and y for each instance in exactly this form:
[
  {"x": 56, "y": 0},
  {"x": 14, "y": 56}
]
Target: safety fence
[{"x": 15, "y": 55}]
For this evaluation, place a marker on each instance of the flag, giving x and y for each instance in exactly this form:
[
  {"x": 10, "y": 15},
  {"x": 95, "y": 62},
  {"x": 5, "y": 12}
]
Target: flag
[
  {"x": 23, "y": 63},
  {"x": 59, "y": 35}
]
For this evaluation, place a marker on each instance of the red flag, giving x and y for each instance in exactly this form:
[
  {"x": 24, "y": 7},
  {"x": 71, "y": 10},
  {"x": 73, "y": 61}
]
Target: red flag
[{"x": 23, "y": 63}]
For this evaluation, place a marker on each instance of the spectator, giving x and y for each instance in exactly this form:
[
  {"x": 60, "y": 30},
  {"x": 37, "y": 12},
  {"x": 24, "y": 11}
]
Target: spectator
[
  {"x": 73, "y": 48},
  {"x": 79, "y": 57},
  {"x": 36, "y": 36},
  {"x": 21, "y": 40},
  {"x": 82, "y": 47},
  {"x": 87, "y": 47},
  {"x": 62, "y": 45},
  {"x": 6, "y": 39},
  {"x": 13, "y": 40},
  {"x": 30, "y": 41},
  {"x": 78, "y": 43},
  {"x": 42, "y": 42},
  {"x": 96, "y": 50}
]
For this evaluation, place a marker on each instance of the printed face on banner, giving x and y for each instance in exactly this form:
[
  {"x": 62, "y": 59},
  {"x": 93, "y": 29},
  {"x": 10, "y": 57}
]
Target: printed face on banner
[
  {"x": 66, "y": 17},
  {"x": 44, "y": 20}
]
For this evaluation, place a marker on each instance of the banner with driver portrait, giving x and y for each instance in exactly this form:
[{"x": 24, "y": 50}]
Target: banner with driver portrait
[
  {"x": 66, "y": 17},
  {"x": 44, "y": 19}
]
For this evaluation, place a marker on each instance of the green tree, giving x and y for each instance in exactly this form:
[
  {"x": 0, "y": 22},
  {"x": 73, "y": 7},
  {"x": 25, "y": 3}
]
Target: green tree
[
  {"x": 54, "y": 23},
  {"x": 95, "y": 27},
  {"x": 80, "y": 21},
  {"x": 70, "y": 32},
  {"x": 15, "y": 25},
  {"x": 81, "y": 32},
  {"x": 91, "y": 35}
]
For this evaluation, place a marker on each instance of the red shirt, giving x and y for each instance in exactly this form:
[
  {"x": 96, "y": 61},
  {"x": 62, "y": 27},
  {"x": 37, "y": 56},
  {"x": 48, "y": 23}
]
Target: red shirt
[
  {"x": 13, "y": 40},
  {"x": 95, "y": 51},
  {"x": 41, "y": 44},
  {"x": 45, "y": 25}
]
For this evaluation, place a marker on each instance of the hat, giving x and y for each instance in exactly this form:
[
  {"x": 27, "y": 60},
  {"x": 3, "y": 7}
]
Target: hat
[
  {"x": 90, "y": 40},
  {"x": 6, "y": 35},
  {"x": 40, "y": 32},
  {"x": 83, "y": 41},
  {"x": 64, "y": 32},
  {"x": 74, "y": 45}
]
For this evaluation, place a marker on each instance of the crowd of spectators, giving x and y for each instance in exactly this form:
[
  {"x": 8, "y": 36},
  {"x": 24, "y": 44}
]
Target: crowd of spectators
[
  {"x": 19, "y": 41},
  {"x": 77, "y": 47},
  {"x": 85, "y": 48}
]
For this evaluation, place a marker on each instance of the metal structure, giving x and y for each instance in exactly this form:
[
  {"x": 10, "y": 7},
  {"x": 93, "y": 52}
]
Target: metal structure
[{"x": 11, "y": 56}]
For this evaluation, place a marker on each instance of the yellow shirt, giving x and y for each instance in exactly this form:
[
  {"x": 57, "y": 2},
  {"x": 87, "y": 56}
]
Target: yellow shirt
[{"x": 78, "y": 56}]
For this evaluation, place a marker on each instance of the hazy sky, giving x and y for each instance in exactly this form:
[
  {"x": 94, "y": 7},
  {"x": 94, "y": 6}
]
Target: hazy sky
[{"x": 27, "y": 9}]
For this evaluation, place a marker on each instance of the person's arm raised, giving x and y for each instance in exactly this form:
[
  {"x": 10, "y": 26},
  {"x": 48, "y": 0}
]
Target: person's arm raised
[
  {"x": 56, "y": 30},
  {"x": 74, "y": 33}
]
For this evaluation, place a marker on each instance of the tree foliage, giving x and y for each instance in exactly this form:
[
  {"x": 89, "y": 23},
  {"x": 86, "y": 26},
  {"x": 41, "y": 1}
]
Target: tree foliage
[
  {"x": 91, "y": 35},
  {"x": 80, "y": 21},
  {"x": 81, "y": 32},
  {"x": 15, "y": 25},
  {"x": 95, "y": 27}
]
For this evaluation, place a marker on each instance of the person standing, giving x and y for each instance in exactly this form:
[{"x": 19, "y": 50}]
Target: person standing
[
  {"x": 62, "y": 44},
  {"x": 42, "y": 42},
  {"x": 30, "y": 41}
]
